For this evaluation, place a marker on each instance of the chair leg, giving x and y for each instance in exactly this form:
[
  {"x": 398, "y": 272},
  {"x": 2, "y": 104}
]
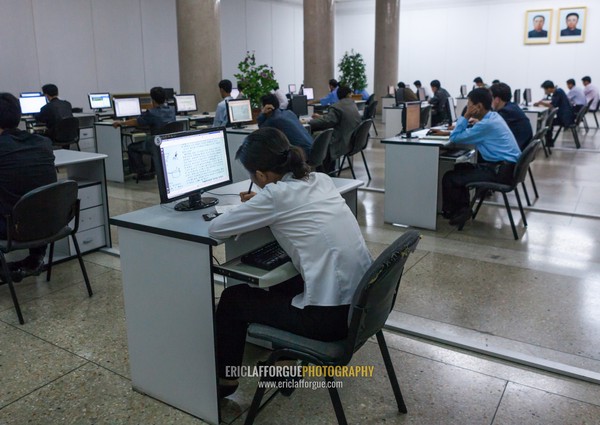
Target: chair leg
[
  {"x": 341, "y": 165},
  {"x": 533, "y": 184},
  {"x": 375, "y": 128},
  {"x": 575, "y": 137},
  {"x": 365, "y": 162},
  {"x": 526, "y": 193},
  {"x": 11, "y": 287},
  {"x": 351, "y": 167},
  {"x": 50, "y": 259},
  {"x": 556, "y": 135},
  {"x": 596, "y": 118},
  {"x": 335, "y": 400},
  {"x": 585, "y": 124},
  {"x": 521, "y": 207},
  {"x": 83, "y": 270},
  {"x": 481, "y": 197},
  {"x": 510, "y": 217},
  {"x": 389, "y": 367},
  {"x": 254, "y": 407}
]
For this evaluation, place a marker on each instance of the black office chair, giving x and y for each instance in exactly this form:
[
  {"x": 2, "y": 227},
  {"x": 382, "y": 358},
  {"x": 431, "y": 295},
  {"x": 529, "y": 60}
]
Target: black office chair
[
  {"x": 39, "y": 218},
  {"x": 66, "y": 133},
  {"x": 319, "y": 149},
  {"x": 370, "y": 100},
  {"x": 575, "y": 126},
  {"x": 594, "y": 111},
  {"x": 549, "y": 125},
  {"x": 519, "y": 175},
  {"x": 358, "y": 143},
  {"x": 371, "y": 305},
  {"x": 369, "y": 114}
]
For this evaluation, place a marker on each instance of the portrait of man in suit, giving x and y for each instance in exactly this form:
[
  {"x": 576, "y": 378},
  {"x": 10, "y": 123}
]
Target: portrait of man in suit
[
  {"x": 537, "y": 26},
  {"x": 571, "y": 28}
]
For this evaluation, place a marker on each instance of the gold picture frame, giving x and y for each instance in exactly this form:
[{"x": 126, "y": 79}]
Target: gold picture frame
[
  {"x": 538, "y": 26},
  {"x": 571, "y": 24}
]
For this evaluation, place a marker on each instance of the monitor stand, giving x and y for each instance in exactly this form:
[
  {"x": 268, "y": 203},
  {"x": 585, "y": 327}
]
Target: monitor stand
[
  {"x": 238, "y": 126},
  {"x": 196, "y": 202}
]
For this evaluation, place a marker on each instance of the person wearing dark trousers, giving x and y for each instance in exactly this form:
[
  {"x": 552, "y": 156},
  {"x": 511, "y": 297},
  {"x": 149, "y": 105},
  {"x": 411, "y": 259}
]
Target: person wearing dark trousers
[
  {"x": 54, "y": 111},
  {"x": 513, "y": 115},
  {"x": 26, "y": 163},
  {"x": 314, "y": 226},
  {"x": 565, "y": 116},
  {"x": 158, "y": 116},
  {"x": 497, "y": 148}
]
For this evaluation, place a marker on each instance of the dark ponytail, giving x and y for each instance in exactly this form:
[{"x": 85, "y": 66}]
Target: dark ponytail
[{"x": 267, "y": 149}]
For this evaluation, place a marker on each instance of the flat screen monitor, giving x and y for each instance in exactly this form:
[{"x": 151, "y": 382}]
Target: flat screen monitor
[
  {"x": 452, "y": 109},
  {"x": 391, "y": 91},
  {"x": 517, "y": 96},
  {"x": 291, "y": 88},
  {"x": 421, "y": 94},
  {"x": 190, "y": 163},
  {"x": 527, "y": 96},
  {"x": 127, "y": 107},
  {"x": 234, "y": 93},
  {"x": 309, "y": 93},
  {"x": 32, "y": 104},
  {"x": 412, "y": 117},
  {"x": 99, "y": 101},
  {"x": 185, "y": 103},
  {"x": 299, "y": 105},
  {"x": 239, "y": 112},
  {"x": 463, "y": 90},
  {"x": 31, "y": 94}
]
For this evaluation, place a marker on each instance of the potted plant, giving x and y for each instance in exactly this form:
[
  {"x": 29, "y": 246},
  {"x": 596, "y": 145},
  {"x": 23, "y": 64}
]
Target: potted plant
[
  {"x": 257, "y": 80},
  {"x": 353, "y": 71}
]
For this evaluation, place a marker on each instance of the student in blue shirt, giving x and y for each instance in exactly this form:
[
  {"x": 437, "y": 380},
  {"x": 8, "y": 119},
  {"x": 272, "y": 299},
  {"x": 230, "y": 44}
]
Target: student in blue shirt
[
  {"x": 498, "y": 151},
  {"x": 332, "y": 97},
  {"x": 364, "y": 93},
  {"x": 225, "y": 88}
]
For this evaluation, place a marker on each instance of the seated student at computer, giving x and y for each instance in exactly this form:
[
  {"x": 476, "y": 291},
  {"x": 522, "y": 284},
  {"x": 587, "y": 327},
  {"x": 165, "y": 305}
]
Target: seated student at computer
[
  {"x": 314, "y": 226},
  {"x": 479, "y": 83},
  {"x": 343, "y": 117},
  {"x": 513, "y": 115},
  {"x": 225, "y": 88},
  {"x": 285, "y": 121},
  {"x": 364, "y": 94},
  {"x": 496, "y": 146},
  {"x": 591, "y": 92},
  {"x": 158, "y": 116},
  {"x": 54, "y": 111},
  {"x": 418, "y": 85},
  {"x": 405, "y": 94},
  {"x": 332, "y": 97},
  {"x": 565, "y": 115},
  {"x": 576, "y": 95},
  {"x": 439, "y": 104},
  {"x": 241, "y": 95},
  {"x": 281, "y": 97}
]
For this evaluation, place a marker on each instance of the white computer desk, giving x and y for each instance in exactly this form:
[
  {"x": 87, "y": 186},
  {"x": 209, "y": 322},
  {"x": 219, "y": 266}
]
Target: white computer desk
[
  {"x": 166, "y": 261},
  {"x": 536, "y": 115},
  {"x": 413, "y": 174}
]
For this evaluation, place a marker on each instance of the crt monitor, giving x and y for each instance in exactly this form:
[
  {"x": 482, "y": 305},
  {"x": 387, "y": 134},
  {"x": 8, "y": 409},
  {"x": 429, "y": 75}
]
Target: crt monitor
[
  {"x": 527, "y": 96},
  {"x": 299, "y": 105},
  {"x": 234, "y": 93},
  {"x": 32, "y": 104},
  {"x": 99, "y": 101},
  {"x": 463, "y": 90},
  {"x": 190, "y": 163},
  {"x": 185, "y": 103},
  {"x": 127, "y": 107},
  {"x": 391, "y": 91},
  {"x": 452, "y": 110},
  {"x": 31, "y": 94},
  {"x": 517, "y": 96},
  {"x": 309, "y": 93},
  {"x": 421, "y": 94},
  {"x": 239, "y": 112},
  {"x": 412, "y": 117}
]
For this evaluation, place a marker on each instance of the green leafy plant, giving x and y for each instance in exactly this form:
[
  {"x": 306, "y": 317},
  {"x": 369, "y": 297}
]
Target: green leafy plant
[
  {"x": 256, "y": 80},
  {"x": 353, "y": 71}
]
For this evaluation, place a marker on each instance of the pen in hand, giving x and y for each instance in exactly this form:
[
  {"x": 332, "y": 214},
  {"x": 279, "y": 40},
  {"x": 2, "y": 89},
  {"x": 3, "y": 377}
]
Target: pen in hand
[{"x": 250, "y": 188}]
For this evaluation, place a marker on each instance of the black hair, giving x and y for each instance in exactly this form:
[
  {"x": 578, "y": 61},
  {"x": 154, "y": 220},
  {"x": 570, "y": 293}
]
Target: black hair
[
  {"x": 158, "y": 95},
  {"x": 496, "y": 82},
  {"x": 572, "y": 14},
  {"x": 435, "y": 83},
  {"x": 225, "y": 85},
  {"x": 401, "y": 85},
  {"x": 481, "y": 96},
  {"x": 50, "y": 89},
  {"x": 241, "y": 86},
  {"x": 539, "y": 16},
  {"x": 343, "y": 92},
  {"x": 571, "y": 81},
  {"x": 417, "y": 83},
  {"x": 10, "y": 111},
  {"x": 333, "y": 82},
  {"x": 502, "y": 91},
  {"x": 270, "y": 99},
  {"x": 267, "y": 149},
  {"x": 478, "y": 80},
  {"x": 587, "y": 79},
  {"x": 547, "y": 84}
]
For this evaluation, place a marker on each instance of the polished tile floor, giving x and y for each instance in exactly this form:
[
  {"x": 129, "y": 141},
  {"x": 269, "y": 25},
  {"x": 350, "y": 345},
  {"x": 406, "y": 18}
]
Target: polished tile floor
[{"x": 537, "y": 299}]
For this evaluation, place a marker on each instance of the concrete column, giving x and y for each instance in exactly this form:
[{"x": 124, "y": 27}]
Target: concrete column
[
  {"x": 387, "y": 26},
  {"x": 319, "y": 67},
  {"x": 199, "y": 39}
]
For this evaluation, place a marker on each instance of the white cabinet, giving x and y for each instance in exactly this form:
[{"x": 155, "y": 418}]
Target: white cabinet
[{"x": 87, "y": 137}]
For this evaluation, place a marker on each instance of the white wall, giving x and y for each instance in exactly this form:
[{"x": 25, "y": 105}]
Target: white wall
[
  {"x": 88, "y": 45},
  {"x": 273, "y": 29}
]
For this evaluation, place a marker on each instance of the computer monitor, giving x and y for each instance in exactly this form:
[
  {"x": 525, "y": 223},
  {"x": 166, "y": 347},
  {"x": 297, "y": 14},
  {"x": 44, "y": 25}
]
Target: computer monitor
[
  {"x": 391, "y": 91},
  {"x": 299, "y": 105},
  {"x": 425, "y": 115},
  {"x": 412, "y": 117},
  {"x": 190, "y": 163},
  {"x": 452, "y": 109},
  {"x": 309, "y": 93},
  {"x": 527, "y": 97},
  {"x": 31, "y": 94},
  {"x": 239, "y": 112},
  {"x": 99, "y": 101},
  {"x": 127, "y": 107},
  {"x": 234, "y": 93},
  {"x": 463, "y": 90},
  {"x": 32, "y": 104},
  {"x": 185, "y": 103},
  {"x": 421, "y": 94},
  {"x": 517, "y": 96},
  {"x": 291, "y": 88}
]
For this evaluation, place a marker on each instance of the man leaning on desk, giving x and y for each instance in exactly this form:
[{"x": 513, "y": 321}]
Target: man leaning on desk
[
  {"x": 158, "y": 116},
  {"x": 54, "y": 111}
]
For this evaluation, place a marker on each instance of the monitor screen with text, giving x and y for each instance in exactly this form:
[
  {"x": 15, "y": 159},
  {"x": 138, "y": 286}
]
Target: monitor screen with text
[
  {"x": 309, "y": 93},
  {"x": 239, "y": 111},
  {"x": 99, "y": 100},
  {"x": 127, "y": 107},
  {"x": 185, "y": 103},
  {"x": 32, "y": 104}
]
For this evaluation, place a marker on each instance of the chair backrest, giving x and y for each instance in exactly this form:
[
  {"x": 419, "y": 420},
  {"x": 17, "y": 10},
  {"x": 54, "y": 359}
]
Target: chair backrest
[
  {"x": 66, "y": 131},
  {"x": 172, "y": 127},
  {"x": 42, "y": 212},
  {"x": 360, "y": 137},
  {"x": 370, "y": 100},
  {"x": 581, "y": 114},
  {"x": 541, "y": 133},
  {"x": 376, "y": 293},
  {"x": 370, "y": 110},
  {"x": 524, "y": 161},
  {"x": 550, "y": 117},
  {"x": 319, "y": 148}
]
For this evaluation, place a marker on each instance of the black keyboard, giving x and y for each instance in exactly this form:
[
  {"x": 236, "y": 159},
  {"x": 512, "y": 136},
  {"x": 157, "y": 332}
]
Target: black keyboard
[
  {"x": 452, "y": 153},
  {"x": 267, "y": 257}
]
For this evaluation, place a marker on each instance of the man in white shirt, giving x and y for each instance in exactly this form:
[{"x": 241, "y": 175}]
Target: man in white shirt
[
  {"x": 225, "y": 88},
  {"x": 282, "y": 98},
  {"x": 591, "y": 92},
  {"x": 576, "y": 95}
]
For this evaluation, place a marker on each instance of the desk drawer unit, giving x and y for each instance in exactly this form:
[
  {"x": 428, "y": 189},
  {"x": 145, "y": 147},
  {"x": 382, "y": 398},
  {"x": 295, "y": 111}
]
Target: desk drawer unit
[
  {"x": 87, "y": 139},
  {"x": 89, "y": 240}
]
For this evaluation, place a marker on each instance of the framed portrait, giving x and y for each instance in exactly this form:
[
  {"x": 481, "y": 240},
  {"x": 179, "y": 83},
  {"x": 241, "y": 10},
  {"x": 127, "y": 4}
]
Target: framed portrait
[
  {"x": 538, "y": 24},
  {"x": 571, "y": 24}
]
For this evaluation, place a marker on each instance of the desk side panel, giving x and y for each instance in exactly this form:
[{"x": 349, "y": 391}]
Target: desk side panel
[{"x": 108, "y": 141}]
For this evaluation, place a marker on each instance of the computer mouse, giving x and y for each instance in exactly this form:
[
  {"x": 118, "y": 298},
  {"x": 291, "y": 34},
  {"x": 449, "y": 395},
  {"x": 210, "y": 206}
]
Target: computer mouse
[{"x": 205, "y": 113}]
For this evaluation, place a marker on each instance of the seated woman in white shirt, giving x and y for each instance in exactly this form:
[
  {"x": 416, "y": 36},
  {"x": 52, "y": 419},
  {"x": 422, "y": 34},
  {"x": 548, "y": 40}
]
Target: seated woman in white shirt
[{"x": 315, "y": 227}]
